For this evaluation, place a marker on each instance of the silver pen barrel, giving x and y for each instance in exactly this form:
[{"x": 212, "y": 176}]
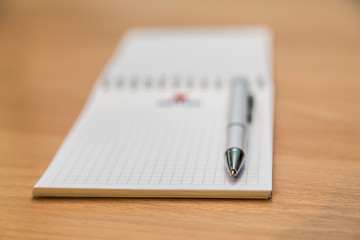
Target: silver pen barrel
[{"x": 237, "y": 126}]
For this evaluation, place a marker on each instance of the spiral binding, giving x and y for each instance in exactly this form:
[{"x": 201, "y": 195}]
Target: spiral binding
[{"x": 162, "y": 82}]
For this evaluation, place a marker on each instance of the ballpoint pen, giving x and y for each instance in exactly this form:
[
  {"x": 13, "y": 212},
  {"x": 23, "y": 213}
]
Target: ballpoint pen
[{"x": 237, "y": 128}]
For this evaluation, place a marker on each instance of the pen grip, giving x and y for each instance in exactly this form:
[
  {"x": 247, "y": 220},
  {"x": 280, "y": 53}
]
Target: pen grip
[{"x": 237, "y": 136}]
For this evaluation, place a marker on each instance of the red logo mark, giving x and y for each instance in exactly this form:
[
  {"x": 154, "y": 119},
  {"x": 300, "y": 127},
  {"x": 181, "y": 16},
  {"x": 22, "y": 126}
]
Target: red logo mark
[{"x": 180, "y": 97}]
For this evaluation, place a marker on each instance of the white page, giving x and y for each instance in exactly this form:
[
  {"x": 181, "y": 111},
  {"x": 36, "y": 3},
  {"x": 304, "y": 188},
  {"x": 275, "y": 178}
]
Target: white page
[{"x": 133, "y": 135}]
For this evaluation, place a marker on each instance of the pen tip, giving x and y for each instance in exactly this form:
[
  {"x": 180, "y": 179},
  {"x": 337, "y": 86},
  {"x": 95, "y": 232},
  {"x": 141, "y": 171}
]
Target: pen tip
[{"x": 233, "y": 172}]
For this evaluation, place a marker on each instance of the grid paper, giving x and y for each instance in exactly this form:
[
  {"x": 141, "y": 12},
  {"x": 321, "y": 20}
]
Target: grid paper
[{"x": 152, "y": 147}]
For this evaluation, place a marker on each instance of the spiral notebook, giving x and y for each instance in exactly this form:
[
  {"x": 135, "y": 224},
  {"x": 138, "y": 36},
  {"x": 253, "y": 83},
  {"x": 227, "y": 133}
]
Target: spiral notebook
[{"x": 155, "y": 122}]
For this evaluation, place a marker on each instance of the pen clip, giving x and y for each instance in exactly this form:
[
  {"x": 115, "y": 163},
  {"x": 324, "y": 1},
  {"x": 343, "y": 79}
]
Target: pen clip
[{"x": 250, "y": 102}]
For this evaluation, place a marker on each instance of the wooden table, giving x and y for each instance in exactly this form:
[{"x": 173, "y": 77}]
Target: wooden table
[{"x": 51, "y": 53}]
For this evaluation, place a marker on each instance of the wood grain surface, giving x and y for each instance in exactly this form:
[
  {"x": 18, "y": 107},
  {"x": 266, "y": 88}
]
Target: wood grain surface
[{"x": 51, "y": 53}]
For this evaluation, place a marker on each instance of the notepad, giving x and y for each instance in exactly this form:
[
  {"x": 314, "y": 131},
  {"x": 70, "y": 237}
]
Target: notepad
[{"x": 155, "y": 122}]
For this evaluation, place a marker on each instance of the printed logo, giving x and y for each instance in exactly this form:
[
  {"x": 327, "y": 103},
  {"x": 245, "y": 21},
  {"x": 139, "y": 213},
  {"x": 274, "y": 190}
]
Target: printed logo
[{"x": 179, "y": 100}]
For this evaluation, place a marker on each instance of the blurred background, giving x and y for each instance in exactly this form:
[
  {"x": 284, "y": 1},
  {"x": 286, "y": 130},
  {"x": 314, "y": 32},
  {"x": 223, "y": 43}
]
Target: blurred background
[{"x": 51, "y": 53}]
